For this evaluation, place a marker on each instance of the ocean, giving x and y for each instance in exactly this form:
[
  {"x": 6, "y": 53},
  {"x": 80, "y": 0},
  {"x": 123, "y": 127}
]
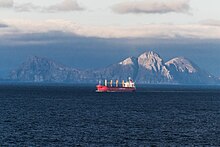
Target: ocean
[{"x": 71, "y": 115}]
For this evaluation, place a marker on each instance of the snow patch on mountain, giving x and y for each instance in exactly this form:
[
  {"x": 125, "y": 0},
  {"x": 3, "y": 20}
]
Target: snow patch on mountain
[
  {"x": 150, "y": 60},
  {"x": 128, "y": 61},
  {"x": 153, "y": 62},
  {"x": 182, "y": 65}
]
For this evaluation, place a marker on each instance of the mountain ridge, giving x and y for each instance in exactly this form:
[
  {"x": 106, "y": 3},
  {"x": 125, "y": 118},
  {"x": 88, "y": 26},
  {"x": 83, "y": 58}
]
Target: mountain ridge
[{"x": 147, "y": 68}]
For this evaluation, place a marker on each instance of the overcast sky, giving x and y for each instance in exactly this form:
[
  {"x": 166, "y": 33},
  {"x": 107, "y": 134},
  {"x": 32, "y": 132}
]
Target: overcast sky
[{"x": 30, "y": 23}]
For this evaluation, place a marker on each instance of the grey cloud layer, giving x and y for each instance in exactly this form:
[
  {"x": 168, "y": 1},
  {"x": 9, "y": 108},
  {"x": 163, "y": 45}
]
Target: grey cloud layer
[
  {"x": 146, "y": 6},
  {"x": 2, "y": 25},
  {"x": 211, "y": 22},
  {"x": 26, "y": 7},
  {"x": 65, "y": 5},
  {"x": 6, "y": 3}
]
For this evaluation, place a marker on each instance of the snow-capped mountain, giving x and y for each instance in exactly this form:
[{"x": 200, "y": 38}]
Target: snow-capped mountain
[
  {"x": 152, "y": 69},
  {"x": 185, "y": 71},
  {"x": 149, "y": 67}
]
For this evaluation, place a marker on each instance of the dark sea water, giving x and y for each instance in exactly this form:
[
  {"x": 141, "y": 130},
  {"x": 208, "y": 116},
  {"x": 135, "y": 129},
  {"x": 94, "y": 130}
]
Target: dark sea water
[{"x": 65, "y": 115}]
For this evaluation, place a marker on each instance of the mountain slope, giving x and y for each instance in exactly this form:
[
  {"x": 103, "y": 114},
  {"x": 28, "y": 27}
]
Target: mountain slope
[
  {"x": 37, "y": 69},
  {"x": 120, "y": 71},
  {"x": 186, "y": 72}
]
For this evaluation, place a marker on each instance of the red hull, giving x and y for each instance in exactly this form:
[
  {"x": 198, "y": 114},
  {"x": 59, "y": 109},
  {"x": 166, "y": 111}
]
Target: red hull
[{"x": 101, "y": 88}]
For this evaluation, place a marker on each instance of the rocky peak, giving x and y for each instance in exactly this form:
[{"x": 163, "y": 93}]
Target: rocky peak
[
  {"x": 182, "y": 64},
  {"x": 38, "y": 60},
  {"x": 129, "y": 61},
  {"x": 151, "y": 61},
  {"x": 40, "y": 69},
  {"x": 36, "y": 63}
]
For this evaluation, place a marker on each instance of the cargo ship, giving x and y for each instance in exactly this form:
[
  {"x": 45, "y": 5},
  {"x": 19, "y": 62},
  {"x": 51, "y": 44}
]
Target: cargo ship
[{"x": 128, "y": 86}]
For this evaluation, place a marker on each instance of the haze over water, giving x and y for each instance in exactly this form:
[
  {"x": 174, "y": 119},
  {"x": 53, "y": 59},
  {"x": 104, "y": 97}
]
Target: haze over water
[{"x": 66, "y": 115}]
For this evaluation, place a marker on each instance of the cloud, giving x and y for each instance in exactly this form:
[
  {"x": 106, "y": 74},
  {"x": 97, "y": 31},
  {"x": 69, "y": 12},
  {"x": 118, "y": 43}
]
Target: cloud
[
  {"x": 155, "y": 6},
  {"x": 2, "y": 25},
  {"x": 211, "y": 22},
  {"x": 6, "y": 3},
  {"x": 196, "y": 31},
  {"x": 66, "y": 5},
  {"x": 26, "y": 7}
]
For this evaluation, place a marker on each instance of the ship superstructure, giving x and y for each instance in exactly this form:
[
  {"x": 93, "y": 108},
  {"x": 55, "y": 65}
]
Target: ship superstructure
[{"x": 128, "y": 86}]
